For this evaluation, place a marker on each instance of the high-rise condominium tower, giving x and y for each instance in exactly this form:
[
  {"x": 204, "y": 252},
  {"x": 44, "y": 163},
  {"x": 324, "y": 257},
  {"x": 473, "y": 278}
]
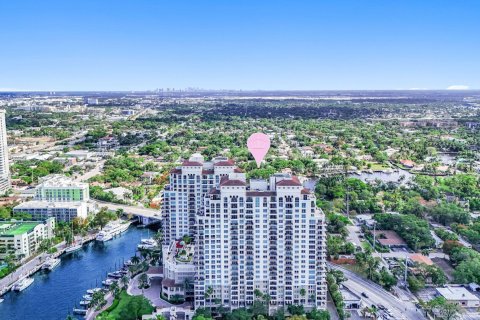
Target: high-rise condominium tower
[
  {"x": 183, "y": 196},
  {"x": 4, "y": 170},
  {"x": 267, "y": 236}
]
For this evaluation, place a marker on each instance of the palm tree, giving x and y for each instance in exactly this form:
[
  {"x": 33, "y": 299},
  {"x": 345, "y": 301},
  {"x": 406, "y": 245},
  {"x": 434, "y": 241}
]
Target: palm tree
[
  {"x": 208, "y": 294},
  {"x": 119, "y": 212},
  {"x": 154, "y": 257},
  {"x": 114, "y": 288},
  {"x": 97, "y": 299},
  {"x": 143, "y": 281},
  {"x": 144, "y": 253},
  {"x": 303, "y": 292},
  {"x": 372, "y": 264},
  {"x": 125, "y": 280},
  {"x": 187, "y": 285},
  {"x": 135, "y": 260},
  {"x": 158, "y": 237},
  {"x": 144, "y": 266}
]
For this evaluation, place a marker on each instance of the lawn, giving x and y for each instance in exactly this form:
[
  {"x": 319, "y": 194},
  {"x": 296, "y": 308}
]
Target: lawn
[
  {"x": 129, "y": 307},
  {"x": 21, "y": 228},
  {"x": 378, "y": 166}
]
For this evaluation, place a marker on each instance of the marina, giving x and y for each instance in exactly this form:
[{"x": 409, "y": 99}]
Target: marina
[{"x": 53, "y": 295}]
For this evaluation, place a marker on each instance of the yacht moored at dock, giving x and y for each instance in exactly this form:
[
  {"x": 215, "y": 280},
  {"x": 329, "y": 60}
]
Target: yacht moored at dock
[
  {"x": 22, "y": 284},
  {"x": 73, "y": 248},
  {"x": 112, "y": 229},
  {"x": 50, "y": 264},
  {"x": 80, "y": 311},
  {"x": 108, "y": 282},
  {"x": 92, "y": 291}
]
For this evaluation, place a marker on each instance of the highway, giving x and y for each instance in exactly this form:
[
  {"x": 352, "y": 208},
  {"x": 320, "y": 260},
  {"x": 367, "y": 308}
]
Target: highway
[{"x": 400, "y": 309}]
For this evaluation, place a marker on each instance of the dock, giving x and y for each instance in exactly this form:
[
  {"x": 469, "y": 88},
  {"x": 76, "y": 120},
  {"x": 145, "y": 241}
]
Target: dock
[{"x": 34, "y": 265}]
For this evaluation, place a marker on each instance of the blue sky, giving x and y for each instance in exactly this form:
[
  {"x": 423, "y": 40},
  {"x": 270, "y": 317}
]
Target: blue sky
[{"x": 234, "y": 44}]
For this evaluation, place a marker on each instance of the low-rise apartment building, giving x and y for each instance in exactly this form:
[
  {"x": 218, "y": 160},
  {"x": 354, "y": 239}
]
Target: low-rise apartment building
[{"x": 22, "y": 239}]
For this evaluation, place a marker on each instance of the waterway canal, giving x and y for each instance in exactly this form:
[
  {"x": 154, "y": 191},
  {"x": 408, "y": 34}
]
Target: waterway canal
[{"x": 53, "y": 295}]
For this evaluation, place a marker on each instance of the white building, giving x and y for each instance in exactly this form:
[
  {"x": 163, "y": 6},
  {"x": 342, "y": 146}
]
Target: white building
[
  {"x": 179, "y": 270},
  {"x": 351, "y": 300},
  {"x": 23, "y": 238},
  {"x": 59, "y": 188},
  {"x": 4, "y": 169},
  {"x": 459, "y": 295},
  {"x": 183, "y": 196},
  {"x": 62, "y": 211},
  {"x": 267, "y": 236}
]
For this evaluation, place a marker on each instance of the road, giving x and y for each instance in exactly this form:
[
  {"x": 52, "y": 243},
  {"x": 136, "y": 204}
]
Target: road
[
  {"x": 26, "y": 268},
  {"x": 137, "y": 211},
  {"x": 400, "y": 309},
  {"x": 91, "y": 173},
  {"x": 353, "y": 232}
]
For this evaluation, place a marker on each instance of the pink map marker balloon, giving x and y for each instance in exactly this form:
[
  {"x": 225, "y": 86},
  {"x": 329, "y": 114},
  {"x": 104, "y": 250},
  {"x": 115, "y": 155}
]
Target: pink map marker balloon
[{"x": 258, "y": 144}]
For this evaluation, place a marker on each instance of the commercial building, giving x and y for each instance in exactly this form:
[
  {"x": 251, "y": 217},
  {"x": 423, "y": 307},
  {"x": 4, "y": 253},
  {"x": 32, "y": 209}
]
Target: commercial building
[
  {"x": 4, "y": 169},
  {"x": 351, "y": 300},
  {"x": 459, "y": 295},
  {"x": 59, "y": 188},
  {"x": 23, "y": 238},
  {"x": 183, "y": 196},
  {"x": 61, "y": 211},
  {"x": 263, "y": 235}
]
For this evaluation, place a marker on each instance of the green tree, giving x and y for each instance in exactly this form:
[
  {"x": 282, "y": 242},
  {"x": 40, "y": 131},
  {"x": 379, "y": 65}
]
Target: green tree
[
  {"x": 316, "y": 314},
  {"x": 296, "y": 309}
]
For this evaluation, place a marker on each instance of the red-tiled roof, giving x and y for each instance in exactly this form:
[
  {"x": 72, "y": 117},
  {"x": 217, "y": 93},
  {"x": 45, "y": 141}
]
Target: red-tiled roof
[
  {"x": 233, "y": 183},
  {"x": 238, "y": 170},
  {"x": 227, "y": 163},
  {"x": 389, "y": 238},
  {"x": 290, "y": 182},
  {"x": 305, "y": 191},
  {"x": 170, "y": 283},
  {"x": 191, "y": 164},
  {"x": 214, "y": 191},
  {"x": 176, "y": 170},
  {"x": 209, "y": 171},
  {"x": 420, "y": 258}
]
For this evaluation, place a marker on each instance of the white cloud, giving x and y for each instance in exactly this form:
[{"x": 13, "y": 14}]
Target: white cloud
[{"x": 458, "y": 87}]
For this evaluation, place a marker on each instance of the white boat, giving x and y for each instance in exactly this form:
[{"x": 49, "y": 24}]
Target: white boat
[
  {"x": 22, "y": 284},
  {"x": 74, "y": 247},
  {"x": 146, "y": 246},
  {"x": 149, "y": 241},
  {"x": 112, "y": 229},
  {"x": 92, "y": 291},
  {"x": 80, "y": 311},
  {"x": 87, "y": 297},
  {"x": 115, "y": 275},
  {"x": 1, "y": 300},
  {"x": 108, "y": 282},
  {"x": 85, "y": 303},
  {"x": 50, "y": 264}
]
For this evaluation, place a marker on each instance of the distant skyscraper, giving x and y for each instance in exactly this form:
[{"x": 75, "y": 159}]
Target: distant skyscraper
[{"x": 4, "y": 170}]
